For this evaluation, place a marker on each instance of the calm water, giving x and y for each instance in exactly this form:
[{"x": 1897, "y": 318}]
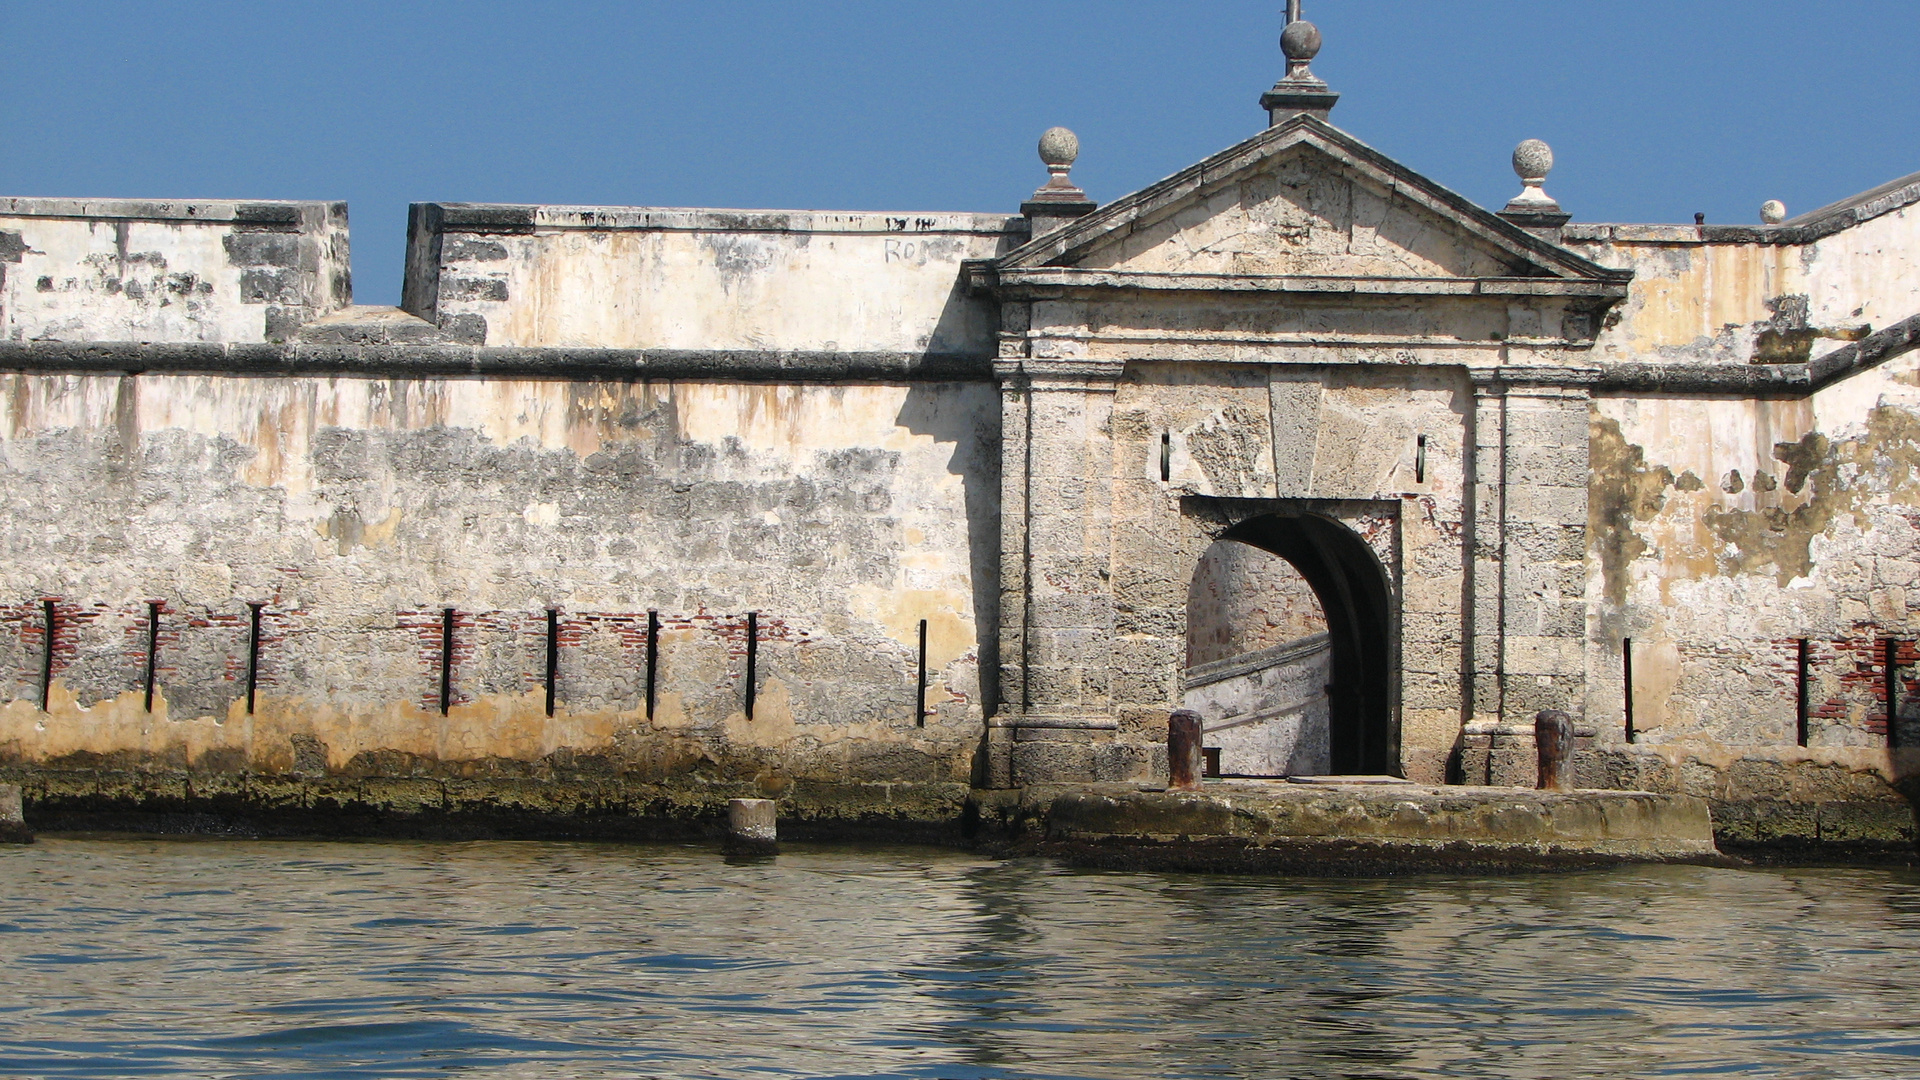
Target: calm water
[{"x": 231, "y": 958}]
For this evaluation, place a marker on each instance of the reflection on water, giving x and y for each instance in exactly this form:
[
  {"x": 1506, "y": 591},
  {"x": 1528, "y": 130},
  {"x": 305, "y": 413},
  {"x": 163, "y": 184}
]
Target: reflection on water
[{"x": 172, "y": 958}]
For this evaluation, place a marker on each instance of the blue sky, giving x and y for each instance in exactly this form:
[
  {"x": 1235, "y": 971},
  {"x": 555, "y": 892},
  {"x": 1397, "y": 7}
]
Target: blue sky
[{"x": 1655, "y": 109}]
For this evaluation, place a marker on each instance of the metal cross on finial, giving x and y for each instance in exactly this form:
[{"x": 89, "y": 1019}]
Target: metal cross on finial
[{"x": 1293, "y": 11}]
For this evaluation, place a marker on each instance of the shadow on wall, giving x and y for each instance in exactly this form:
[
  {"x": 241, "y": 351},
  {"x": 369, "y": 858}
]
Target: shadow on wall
[
  {"x": 969, "y": 328},
  {"x": 968, "y": 416}
]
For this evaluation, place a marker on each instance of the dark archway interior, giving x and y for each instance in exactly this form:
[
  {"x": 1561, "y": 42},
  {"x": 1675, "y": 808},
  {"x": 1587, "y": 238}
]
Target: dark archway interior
[{"x": 1353, "y": 592}]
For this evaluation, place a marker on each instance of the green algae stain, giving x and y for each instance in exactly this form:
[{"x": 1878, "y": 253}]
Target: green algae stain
[
  {"x": 1625, "y": 489},
  {"x": 1835, "y": 479}
]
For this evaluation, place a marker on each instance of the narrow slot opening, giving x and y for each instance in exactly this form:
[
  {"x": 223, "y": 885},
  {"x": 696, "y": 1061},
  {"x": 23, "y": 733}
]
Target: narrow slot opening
[
  {"x": 653, "y": 656},
  {"x": 1893, "y": 694},
  {"x": 1166, "y": 456},
  {"x": 1420, "y": 460},
  {"x": 753, "y": 656},
  {"x": 1800, "y": 696},
  {"x": 153, "y": 646},
  {"x": 253, "y": 653},
  {"x": 1626, "y": 676},
  {"x": 46, "y": 666},
  {"x": 920, "y": 684},
  {"x": 553, "y": 654},
  {"x": 446, "y": 661}
]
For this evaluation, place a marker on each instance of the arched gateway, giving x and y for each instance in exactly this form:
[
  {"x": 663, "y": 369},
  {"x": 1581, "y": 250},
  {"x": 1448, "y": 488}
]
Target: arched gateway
[
  {"x": 1303, "y": 346},
  {"x": 1355, "y": 705}
]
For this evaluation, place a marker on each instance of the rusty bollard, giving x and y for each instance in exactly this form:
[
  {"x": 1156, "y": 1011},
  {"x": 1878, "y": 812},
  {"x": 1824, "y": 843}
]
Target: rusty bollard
[
  {"x": 1185, "y": 760},
  {"x": 1553, "y": 738}
]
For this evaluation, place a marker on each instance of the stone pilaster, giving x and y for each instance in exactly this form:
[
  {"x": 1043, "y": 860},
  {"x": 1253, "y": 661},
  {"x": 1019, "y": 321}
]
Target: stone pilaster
[
  {"x": 1057, "y": 606},
  {"x": 1530, "y": 474},
  {"x": 1487, "y": 468}
]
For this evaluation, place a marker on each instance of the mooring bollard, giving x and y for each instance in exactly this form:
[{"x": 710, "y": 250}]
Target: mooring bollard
[
  {"x": 13, "y": 822},
  {"x": 750, "y": 827},
  {"x": 1186, "y": 758},
  {"x": 1553, "y": 738}
]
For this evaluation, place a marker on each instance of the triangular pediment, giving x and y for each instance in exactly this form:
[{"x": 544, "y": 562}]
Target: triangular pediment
[{"x": 1302, "y": 199}]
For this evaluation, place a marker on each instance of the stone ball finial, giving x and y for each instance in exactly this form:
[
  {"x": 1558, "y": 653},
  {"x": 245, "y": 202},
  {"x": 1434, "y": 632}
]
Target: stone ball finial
[
  {"x": 1773, "y": 212},
  {"x": 1300, "y": 41},
  {"x": 1059, "y": 148},
  {"x": 1533, "y": 160}
]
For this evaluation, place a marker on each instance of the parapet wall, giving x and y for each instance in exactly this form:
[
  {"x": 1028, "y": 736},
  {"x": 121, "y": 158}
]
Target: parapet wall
[
  {"x": 704, "y": 279},
  {"x": 85, "y": 270},
  {"x": 1742, "y": 295}
]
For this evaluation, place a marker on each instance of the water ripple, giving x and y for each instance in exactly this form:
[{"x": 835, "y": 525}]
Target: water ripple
[{"x": 245, "y": 959}]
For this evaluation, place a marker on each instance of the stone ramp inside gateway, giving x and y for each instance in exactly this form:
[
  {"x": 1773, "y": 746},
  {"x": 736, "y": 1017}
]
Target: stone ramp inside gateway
[{"x": 1267, "y": 712}]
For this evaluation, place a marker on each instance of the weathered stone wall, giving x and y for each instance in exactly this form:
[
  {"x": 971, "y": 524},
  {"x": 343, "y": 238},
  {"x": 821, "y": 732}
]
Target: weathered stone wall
[
  {"x": 703, "y": 279},
  {"x": 1756, "y": 295},
  {"x": 1727, "y": 529},
  {"x": 1725, "y": 533},
  {"x": 355, "y": 511},
  {"x": 1245, "y": 600},
  {"x": 122, "y": 270}
]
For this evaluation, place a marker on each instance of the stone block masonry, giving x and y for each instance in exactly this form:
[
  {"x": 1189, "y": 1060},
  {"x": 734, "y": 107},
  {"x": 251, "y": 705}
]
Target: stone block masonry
[
  {"x": 511, "y": 549},
  {"x": 356, "y": 513}
]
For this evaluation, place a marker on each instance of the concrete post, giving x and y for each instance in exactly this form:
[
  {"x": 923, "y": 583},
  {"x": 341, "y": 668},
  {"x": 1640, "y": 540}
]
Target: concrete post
[
  {"x": 1186, "y": 758},
  {"x": 13, "y": 823},
  {"x": 750, "y": 827},
  {"x": 1553, "y": 735}
]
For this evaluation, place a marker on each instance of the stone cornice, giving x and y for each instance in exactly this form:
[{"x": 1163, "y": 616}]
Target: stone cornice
[
  {"x": 1525, "y": 376},
  {"x": 1063, "y": 369},
  {"x": 1046, "y": 282},
  {"x": 445, "y": 360},
  {"x": 420, "y": 361},
  {"x": 1762, "y": 380}
]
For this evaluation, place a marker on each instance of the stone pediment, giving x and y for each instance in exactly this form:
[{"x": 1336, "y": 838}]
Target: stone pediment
[{"x": 1302, "y": 207}]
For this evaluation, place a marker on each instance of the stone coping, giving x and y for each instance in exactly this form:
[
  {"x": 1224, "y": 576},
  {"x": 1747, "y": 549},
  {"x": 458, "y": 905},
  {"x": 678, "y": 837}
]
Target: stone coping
[
  {"x": 208, "y": 211},
  {"x": 509, "y": 218},
  {"x": 1807, "y": 228}
]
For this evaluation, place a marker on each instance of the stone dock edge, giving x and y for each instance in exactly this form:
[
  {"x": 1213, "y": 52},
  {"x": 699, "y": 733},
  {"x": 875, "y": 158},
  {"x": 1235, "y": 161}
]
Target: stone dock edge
[
  {"x": 1283, "y": 828},
  {"x": 1228, "y": 827}
]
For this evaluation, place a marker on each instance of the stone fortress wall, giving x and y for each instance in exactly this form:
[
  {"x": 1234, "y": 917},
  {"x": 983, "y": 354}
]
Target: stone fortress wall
[
  {"x": 1752, "y": 532},
  {"x": 627, "y": 510},
  {"x": 258, "y": 528}
]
